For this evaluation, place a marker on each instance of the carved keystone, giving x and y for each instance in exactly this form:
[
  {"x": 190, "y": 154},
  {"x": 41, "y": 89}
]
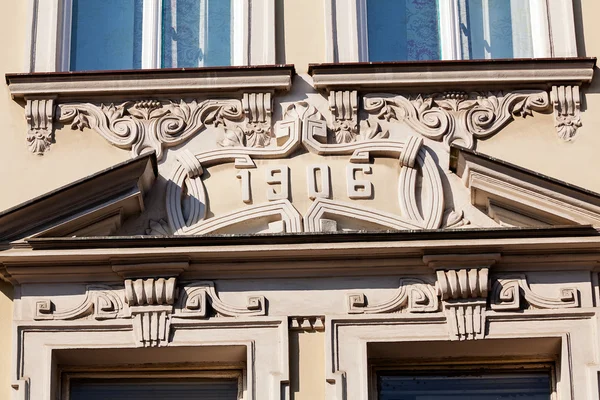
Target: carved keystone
[
  {"x": 150, "y": 292},
  {"x": 463, "y": 285}
]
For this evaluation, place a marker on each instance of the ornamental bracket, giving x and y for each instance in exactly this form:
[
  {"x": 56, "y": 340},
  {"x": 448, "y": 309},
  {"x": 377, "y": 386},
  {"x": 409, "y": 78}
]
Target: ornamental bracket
[{"x": 463, "y": 285}]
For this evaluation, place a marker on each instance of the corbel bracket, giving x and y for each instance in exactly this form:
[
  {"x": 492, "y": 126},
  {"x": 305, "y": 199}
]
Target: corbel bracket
[
  {"x": 566, "y": 102},
  {"x": 343, "y": 105},
  {"x": 463, "y": 285},
  {"x": 39, "y": 113}
]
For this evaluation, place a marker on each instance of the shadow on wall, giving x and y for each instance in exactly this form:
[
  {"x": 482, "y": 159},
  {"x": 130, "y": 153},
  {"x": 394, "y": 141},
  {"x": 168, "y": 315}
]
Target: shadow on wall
[{"x": 7, "y": 291}]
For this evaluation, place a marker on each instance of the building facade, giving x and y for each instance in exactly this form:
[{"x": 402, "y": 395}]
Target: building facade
[{"x": 293, "y": 200}]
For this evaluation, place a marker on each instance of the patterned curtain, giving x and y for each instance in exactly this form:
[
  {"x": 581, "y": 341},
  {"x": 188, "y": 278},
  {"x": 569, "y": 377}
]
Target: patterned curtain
[
  {"x": 106, "y": 35},
  {"x": 400, "y": 30},
  {"x": 495, "y": 29},
  {"x": 196, "y": 33}
]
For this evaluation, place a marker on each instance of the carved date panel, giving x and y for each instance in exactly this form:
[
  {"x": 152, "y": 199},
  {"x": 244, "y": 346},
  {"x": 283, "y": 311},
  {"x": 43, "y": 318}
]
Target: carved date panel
[{"x": 305, "y": 175}]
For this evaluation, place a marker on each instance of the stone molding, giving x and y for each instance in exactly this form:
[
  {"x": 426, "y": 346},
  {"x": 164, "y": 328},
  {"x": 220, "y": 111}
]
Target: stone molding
[
  {"x": 307, "y": 323},
  {"x": 455, "y": 102},
  {"x": 464, "y": 289},
  {"x": 151, "y": 304}
]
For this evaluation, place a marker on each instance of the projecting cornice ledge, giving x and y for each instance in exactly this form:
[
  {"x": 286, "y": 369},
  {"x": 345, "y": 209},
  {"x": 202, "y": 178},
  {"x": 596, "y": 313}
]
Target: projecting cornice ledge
[
  {"x": 452, "y": 75},
  {"x": 484, "y": 93},
  {"x": 141, "y": 110},
  {"x": 154, "y": 82}
]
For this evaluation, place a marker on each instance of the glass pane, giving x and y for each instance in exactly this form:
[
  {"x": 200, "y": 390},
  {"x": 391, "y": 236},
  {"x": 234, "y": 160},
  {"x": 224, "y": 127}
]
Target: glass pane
[
  {"x": 486, "y": 387},
  {"x": 400, "y": 30},
  {"x": 495, "y": 29},
  {"x": 106, "y": 35},
  {"x": 196, "y": 33},
  {"x": 196, "y": 389}
]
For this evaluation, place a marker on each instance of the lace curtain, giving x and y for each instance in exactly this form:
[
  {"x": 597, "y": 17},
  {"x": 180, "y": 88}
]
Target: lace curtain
[
  {"x": 196, "y": 33},
  {"x": 403, "y": 30},
  {"x": 406, "y": 30},
  {"x": 495, "y": 29},
  {"x": 106, "y": 35}
]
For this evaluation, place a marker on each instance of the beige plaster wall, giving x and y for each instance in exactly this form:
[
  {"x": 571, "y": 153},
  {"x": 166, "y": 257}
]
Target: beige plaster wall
[
  {"x": 534, "y": 144},
  {"x": 307, "y": 365},
  {"x": 75, "y": 154},
  {"x": 6, "y": 315},
  {"x": 300, "y": 32}
]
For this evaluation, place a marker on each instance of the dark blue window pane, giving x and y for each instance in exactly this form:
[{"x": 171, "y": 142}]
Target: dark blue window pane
[
  {"x": 106, "y": 35},
  {"x": 532, "y": 386},
  {"x": 198, "y": 389},
  {"x": 196, "y": 33},
  {"x": 403, "y": 30}
]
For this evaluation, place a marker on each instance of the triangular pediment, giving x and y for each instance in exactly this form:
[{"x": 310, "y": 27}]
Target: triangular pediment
[{"x": 94, "y": 206}]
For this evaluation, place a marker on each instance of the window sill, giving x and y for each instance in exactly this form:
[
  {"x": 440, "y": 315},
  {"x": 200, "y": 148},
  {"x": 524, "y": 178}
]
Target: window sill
[
  {"x": 77, "y": 85},
  {"x": 516, "y": 73}
]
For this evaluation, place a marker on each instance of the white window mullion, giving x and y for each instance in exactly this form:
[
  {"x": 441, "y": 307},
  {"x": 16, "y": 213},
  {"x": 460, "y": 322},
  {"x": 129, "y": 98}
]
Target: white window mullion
[
  {"x": 203, "y": 29},
  {"x": 487, "y": 31},
  {"x": 540, "y": 29},
  {"x": 449, "y": 26},
  {"x": 239, "y": 32},
  {"x": 363, "y": 32},
  {"x": 151, "y": 33},
  {"x": 65, "y": 43}
]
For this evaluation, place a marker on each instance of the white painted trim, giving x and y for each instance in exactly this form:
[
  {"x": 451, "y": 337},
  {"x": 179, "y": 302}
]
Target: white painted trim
[
  {"x": 562, "y": 28},
  {"x": 64, "y": 53},
  {"x": 49, "y": 42},
  {"x": 540, "y": 30},
  {"x": 362, "y": 31},
  {"x": 239, "y": 32},
  {"x": 448, "y": 26},
  {"x": 151, "y": 33}
]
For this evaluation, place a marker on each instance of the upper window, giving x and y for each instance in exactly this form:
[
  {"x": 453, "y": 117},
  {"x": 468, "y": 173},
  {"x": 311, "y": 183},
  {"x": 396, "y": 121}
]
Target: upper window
[
  {"x": 78, "y": 35},
  {"x": 131, "y": 34},
  {"x": 446, "y": 29},
  {"x": 411, "y": 30}
]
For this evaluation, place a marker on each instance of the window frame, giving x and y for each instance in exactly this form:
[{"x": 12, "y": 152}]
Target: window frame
[
  {"x": 152, "y": 34},
  {"x": 474, "y": 367},
  {"x": 159, "y": 371},
  {"x": 553, "y": 30},
  {"x": 48, "y": 34}
]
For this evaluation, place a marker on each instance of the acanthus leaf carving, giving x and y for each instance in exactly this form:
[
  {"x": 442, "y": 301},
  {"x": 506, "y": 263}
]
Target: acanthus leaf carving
[
  {"x": 414, "y": 295},
  {"x": 343, "y": 105},
  {"x": 150, "y": 124},
  {"x": 39, "y": 114},
  {"x": 456, "y": 116},
  {"x": 566, "y": 103},
  {"x": 508, "y": 292},
  {"x": 195, "y": 298}
]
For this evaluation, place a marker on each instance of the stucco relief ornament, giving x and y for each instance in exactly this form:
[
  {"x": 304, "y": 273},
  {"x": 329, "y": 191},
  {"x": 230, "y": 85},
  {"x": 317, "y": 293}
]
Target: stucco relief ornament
[
  {"x": 39, "y": 115},
  {"x": 455, "y": 116},
  {"x": 144, "y": 125}
]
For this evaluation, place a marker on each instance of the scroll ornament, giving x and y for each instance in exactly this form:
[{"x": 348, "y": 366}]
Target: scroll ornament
[{"x": 456, "y": 117}]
